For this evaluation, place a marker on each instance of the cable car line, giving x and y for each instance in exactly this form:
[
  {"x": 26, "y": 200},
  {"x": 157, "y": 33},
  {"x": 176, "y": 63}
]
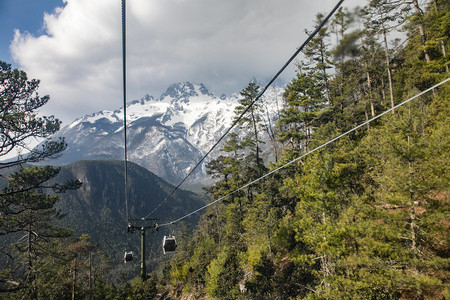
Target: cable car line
[
  {"x": 124, "y": 77},
  {"x": 306, "y": 154},
  {"x": 128, "y": 255},
  {"x": 310, "y": 37}
]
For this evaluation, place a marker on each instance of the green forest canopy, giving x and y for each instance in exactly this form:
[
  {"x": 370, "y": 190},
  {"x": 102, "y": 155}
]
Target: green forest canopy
[{"x": 366, "y": 217}]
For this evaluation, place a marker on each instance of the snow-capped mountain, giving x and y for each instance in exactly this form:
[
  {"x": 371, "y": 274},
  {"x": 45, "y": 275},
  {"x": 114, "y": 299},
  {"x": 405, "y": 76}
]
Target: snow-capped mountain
[{"x": 167, "y": 135}]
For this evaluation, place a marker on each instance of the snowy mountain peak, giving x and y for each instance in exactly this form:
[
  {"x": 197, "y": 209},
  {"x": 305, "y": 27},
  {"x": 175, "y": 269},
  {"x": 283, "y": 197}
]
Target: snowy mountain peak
[
  {"x": 167, "y": 135},
  {"x": 147, "y": 97},
  {"x": 182, "y": 92},
  {"x": 142, "y": 101},
  {"x": 205, "y": 91}
]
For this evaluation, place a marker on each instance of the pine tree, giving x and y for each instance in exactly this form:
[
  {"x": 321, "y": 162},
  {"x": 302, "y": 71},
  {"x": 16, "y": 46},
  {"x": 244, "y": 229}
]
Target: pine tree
[
  {"x": 422, "y": 71},
  {"x": 408, "y": 200},
  {"x": 252, "y": 125},
  {"x": 304, "y": 103},
  {"x": 318, "y": 57},
  {"x": 19, "y": 123},
  {"x": 366, "y": 216},
  {"x": 25, "y": 206},
  {"x": 383, "y": 16}
]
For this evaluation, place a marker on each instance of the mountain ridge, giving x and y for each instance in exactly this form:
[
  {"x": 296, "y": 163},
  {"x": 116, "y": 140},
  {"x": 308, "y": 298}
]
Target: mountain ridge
[
  {"x": 98, "y": 207},
  {"x": 167, "y": 135}
]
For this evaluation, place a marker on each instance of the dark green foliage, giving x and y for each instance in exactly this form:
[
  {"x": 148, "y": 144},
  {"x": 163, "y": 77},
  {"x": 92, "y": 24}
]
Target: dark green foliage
[
  {"x": 260, "y": 286},
  {"x": 304, "y": 105},
  {"x": 98, "y": 209},
  {"x": 365, "y": 217},
  {"x": 224, "y": 275},
  {"x": 30, "y": 234},
  {"x": 19, "y": 101},
  {"x": 140, "y": 290}
]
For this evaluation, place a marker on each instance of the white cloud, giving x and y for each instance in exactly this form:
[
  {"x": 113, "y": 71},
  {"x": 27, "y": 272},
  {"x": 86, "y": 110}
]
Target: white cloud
[{"x": 220, "y": 43}]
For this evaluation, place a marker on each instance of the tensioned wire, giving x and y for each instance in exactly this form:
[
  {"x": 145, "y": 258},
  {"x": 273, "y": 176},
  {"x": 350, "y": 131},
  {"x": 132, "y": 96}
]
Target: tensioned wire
[
  {"x": 310, "y": 37},
  {"x": 306, "y": 154},
  {"x": 124, "y": 76}
]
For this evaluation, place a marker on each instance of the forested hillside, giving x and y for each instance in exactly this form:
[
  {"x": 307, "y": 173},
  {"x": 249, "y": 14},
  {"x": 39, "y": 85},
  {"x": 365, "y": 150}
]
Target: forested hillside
[
  {"x": 82, "y": 232},
  {"x": 97, "y": 209},
  {"x": 365, "y": 217},
  {"x": 354, "y": 203}
]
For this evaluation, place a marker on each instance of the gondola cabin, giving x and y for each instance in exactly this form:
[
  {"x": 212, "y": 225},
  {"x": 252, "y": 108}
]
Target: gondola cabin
[
  {"x": 169, "y": 244},
  {"x": 128, "y": 256}
]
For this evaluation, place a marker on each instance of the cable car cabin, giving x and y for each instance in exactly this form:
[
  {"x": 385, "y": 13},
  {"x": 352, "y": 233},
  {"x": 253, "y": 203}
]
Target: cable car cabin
[
  {"x": 128, "y": 256},
  {"x": 169, "y": 244}
]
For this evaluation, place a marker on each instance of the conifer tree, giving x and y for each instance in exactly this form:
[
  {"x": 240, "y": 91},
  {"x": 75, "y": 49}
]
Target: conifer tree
[
  {"x": 318, "y": 56},
  {"x": 304, "y": 103},
  {"x": 20, "y": 122},
  {"x": 366, "y": 216},
  {"x": 407, "y": 201},
  {"x": 253, "y": 125},
  {"x": 28, "y": 214},
  {"x": 383, "y": 16},
  {"x": 422, "y": 71}
]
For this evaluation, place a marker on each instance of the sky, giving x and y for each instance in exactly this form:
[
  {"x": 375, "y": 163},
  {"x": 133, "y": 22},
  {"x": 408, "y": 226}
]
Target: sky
[{"x": 74, "y": 46}]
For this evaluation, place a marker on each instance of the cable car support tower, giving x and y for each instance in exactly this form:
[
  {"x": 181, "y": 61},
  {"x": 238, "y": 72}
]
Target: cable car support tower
[{"x": 143, "y": 226}]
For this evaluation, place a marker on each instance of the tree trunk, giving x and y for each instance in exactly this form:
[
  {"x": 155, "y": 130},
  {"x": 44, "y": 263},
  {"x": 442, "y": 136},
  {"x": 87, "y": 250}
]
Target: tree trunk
[
  {"x": 256, "y": 142},
  {"x": 388, "y": 67},
  {"x": 324, "y": 71},
  {"x": 31, "y": 278},
  {"x": 369, "y": 85},
  {"x": 367, "y": 117},
  {"x": 327, "y": 267},
  {"x": 271, "y": 134},
  {"x": 412, "y": 212},
  {"x": 90, "y": 271},
  {"x": 30, "y": 262},
  {"x": 74, "y": 277},
  {"x": 423, "y": 37},
  {"x": 444, "y": 53},
  {"x": 218, "y": 227},
  {"x": 268, "y": 232}
]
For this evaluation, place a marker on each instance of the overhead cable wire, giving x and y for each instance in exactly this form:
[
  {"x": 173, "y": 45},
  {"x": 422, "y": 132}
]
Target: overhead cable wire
[
  {"x": 124, "y": 77},
  {"x": 306, "y": 154},
  {"x": 310, "y": 37}
]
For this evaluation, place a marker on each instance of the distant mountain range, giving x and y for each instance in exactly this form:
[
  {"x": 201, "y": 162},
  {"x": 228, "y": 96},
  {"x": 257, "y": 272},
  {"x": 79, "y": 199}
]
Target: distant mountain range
[
  {"x": 167, "y": 135},
  {"x": 98, "y": 208}
]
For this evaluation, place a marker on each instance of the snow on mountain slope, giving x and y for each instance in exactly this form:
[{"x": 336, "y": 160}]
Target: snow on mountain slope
[{"x": 167, "y": 135}]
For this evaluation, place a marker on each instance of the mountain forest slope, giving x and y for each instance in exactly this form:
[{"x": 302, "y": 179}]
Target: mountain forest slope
[
  {"x": 365, "y": 217},
  {"x": 98, "y": 207}
]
